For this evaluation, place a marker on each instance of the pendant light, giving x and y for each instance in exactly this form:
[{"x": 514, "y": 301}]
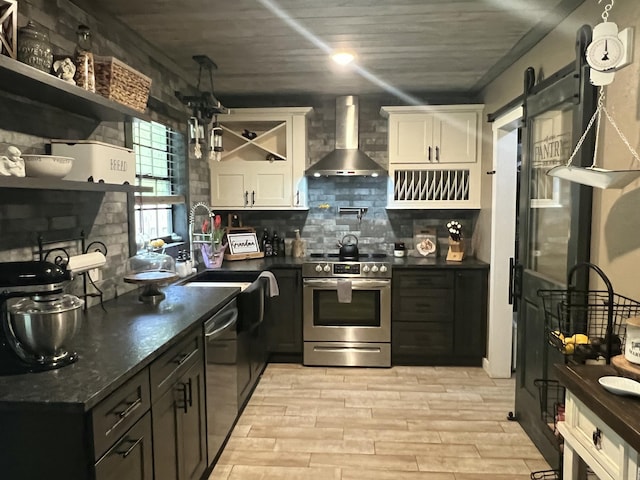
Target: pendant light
[
  {"x": 206, "y": 108},
  {"x": 215, "y": 142}
]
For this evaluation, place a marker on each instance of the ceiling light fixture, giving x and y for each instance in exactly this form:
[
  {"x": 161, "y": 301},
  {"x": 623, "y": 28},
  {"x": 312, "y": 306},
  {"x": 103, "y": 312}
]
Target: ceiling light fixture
[{"x": 342, "y": 58}]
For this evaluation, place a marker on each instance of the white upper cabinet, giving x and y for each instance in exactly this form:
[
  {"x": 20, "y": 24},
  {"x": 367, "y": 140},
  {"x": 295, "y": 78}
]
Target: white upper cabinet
[
  {"x": 263, "y": 161},
  {"x": 434, "y": 156}
]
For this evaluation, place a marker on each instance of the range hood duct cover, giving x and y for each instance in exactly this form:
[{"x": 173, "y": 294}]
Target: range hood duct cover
[{"x": 346, "y": 159}]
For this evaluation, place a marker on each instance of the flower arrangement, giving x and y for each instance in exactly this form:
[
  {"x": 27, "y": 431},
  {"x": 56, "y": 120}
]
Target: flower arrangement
[{"x": 217, "y": 233}]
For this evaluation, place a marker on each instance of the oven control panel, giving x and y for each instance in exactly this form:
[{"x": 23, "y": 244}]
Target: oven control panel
[{"x": 346, "y": 269}]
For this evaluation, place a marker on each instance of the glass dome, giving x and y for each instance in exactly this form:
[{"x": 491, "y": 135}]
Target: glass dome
[{"x": 150, "y": 261}]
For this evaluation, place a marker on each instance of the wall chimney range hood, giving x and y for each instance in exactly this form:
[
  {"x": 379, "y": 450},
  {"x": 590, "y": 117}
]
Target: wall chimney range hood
[{"x": 346, "y": 159}]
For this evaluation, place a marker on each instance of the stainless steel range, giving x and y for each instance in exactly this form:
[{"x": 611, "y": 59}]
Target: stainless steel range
[{"x": 347, "y": 312}]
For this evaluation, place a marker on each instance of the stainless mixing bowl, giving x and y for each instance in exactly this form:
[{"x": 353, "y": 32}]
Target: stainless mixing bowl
[{"x": 44, "y": 325}]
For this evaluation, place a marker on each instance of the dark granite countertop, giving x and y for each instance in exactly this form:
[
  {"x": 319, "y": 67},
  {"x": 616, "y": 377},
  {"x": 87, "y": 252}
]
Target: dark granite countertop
[
  {"x": 113, "y": 346},
  {"x": 621, "y": 413},
  {"x": 269, "y": 263}
]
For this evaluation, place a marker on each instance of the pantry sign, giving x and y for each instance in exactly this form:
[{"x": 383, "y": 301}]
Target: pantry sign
[{"x": 551, "y": 139}]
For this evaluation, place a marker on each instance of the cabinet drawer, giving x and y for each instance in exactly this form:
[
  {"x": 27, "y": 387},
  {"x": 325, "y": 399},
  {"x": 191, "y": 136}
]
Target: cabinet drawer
[
  {"x": 416, "y": 283},
  {"x": 119, "y": 411},
  {"x": 131, "y": 457},
  {"x": 433, "y": 306},
  {"x": 174, "y": 362},
  {"x": 602, "y": 443},
  {"x": 421, "y": 340}
]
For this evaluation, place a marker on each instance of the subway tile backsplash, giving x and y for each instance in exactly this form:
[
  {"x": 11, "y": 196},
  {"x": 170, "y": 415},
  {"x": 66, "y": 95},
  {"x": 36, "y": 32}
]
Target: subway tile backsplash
[{"x": 378, "y": 229}]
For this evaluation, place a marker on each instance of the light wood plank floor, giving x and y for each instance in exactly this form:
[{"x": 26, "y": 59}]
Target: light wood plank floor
[{"x": 403, "y": 423}]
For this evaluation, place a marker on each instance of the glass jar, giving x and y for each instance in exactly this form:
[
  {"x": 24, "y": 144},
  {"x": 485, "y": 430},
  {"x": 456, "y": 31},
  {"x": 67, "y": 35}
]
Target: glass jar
[
  {"x": 34, "y": 47},
  {"x": 83, "y": 58}
]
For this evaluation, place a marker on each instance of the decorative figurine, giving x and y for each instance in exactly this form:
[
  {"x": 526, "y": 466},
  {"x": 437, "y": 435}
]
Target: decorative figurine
[
  {"x": 65, "y": 69},
  {"x": 12, "y": 165}
]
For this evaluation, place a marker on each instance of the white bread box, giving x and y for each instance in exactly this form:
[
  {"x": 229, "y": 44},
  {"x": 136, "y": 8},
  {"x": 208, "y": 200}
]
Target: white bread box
[{"x": 97, "y": 161}]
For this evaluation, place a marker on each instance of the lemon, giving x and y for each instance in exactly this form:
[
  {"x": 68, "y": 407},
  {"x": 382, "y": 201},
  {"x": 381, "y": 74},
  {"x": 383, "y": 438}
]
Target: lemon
[
  {"x": 569, "y": 348},
  {"x": 570, "y": 340},
  {"x": 581, "y": 338}
]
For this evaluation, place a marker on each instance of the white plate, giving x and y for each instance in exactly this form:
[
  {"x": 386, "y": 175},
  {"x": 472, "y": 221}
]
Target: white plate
[
  {"x": 620, "y": 385},
  {"x": 425, "y": 247}
]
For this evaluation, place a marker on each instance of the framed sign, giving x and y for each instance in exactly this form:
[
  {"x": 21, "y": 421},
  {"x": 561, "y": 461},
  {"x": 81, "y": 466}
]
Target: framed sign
[{"x": 242, "y": 243}]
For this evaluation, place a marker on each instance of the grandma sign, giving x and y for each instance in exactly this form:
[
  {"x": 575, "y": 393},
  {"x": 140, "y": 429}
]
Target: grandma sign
[{"x": 242, "y": 243}]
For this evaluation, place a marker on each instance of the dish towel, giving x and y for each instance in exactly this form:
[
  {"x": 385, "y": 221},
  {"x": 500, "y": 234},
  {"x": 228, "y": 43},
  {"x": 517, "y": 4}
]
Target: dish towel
[
  {"x": 274, "y": 291},
  {"x": 344, "y": 290}
]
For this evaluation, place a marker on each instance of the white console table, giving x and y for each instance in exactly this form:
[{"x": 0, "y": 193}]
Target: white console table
[{"x": 599, "y": 428}]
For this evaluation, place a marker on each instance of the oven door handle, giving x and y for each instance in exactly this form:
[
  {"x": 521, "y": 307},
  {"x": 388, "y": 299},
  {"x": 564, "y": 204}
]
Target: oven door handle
[{"x": 332, "y": 283}]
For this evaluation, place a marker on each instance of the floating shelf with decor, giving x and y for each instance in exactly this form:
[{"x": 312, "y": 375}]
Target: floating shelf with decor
[
  {"x": 25, "y": 81},
  {"x": 55, "y": 184}
]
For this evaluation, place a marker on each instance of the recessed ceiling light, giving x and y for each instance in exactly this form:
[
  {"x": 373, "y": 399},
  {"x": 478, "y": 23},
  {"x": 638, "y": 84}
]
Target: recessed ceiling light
[{"x": 342, "y": 58}]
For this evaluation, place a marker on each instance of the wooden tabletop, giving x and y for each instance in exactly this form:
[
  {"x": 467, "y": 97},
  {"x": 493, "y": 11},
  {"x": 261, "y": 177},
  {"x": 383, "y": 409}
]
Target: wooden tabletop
[{"x": 621, "y": 413}]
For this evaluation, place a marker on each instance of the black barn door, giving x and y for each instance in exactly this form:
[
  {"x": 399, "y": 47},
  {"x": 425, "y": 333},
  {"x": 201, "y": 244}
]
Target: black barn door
[{"x": 555, "y": 221}]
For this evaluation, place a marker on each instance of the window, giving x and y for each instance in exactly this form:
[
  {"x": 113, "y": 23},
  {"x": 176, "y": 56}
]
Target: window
[{"x": 157, "y": 149}]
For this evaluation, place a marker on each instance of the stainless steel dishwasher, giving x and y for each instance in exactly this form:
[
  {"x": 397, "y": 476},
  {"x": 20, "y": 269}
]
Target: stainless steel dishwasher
[{"x": 221, "y": 355}]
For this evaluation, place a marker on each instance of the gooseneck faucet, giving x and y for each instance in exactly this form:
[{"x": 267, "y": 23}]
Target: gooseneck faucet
[{"x": 203, "y": 237}]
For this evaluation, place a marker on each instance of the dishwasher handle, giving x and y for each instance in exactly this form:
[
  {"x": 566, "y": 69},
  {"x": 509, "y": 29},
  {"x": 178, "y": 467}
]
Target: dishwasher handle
[{"x": 217, "y": 331}]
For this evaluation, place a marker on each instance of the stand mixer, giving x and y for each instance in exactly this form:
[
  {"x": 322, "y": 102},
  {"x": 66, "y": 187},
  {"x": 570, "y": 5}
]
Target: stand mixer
[{"x": 35, "y": 328}]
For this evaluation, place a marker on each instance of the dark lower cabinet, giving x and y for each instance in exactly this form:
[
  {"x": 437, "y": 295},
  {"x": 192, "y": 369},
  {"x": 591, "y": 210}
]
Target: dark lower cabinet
[
  {"x": 438, "y": 316},
  {"x": 179, "y": 422},
  {"x": 284, "y": 316},
  {"x": 470, "y": 315},
  {"x": 131, "y": 458}
]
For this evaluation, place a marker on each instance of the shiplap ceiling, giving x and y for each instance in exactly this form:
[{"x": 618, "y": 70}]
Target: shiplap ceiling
[{"x": 282, "y": 46}]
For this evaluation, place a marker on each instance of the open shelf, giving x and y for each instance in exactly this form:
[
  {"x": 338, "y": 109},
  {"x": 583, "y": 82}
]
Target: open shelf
[
  {"x": 56, "y": 184},
  {"x": 271, "y": 139},
  {"x": 25, "y": 81}
]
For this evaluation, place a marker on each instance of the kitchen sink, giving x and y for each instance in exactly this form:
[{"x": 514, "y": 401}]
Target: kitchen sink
[{"x": 208, "y": 278}]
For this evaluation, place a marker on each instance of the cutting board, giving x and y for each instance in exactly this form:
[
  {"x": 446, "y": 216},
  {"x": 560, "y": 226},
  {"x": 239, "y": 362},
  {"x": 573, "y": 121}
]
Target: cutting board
[{"x": 625, "y": 367}]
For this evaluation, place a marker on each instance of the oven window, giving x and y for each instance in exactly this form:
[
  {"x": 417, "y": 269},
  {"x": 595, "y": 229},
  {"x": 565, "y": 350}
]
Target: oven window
[{"x": 363, "y": 311}]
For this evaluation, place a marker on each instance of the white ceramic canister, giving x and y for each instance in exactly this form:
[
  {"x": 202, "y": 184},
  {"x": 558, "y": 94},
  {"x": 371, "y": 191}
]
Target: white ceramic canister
[{"x": 632, "y": 340}]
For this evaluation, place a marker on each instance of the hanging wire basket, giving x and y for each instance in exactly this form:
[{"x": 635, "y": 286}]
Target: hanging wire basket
[
  {"x": 551, "y": 401},
  {"x": 587, "y": 324}
]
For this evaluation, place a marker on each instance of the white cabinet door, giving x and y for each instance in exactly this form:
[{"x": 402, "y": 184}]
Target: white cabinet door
[
  {"x": 272, "y": 189},
  {"x": 229, "y": 188},
  {"x": 411, "y": 138},
  {"x": 455, "y": 137}
]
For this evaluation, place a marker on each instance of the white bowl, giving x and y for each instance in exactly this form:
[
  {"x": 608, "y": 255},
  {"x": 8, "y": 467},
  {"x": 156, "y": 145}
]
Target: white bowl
[{"x": 47, "y": 166}]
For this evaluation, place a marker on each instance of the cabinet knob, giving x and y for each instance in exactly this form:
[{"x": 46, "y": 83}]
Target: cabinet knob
[
  {"x": 253, "y": 197},
  {"x": 246, "y": 198},
  {"x": 429, "y": 153},
  {"x": 437, "y": 154}
]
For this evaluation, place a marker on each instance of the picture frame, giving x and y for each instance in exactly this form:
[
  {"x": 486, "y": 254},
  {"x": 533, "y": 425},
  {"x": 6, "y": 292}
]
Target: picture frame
[
  {"x": 243, "y": 243},
  {"x": 425, "y": 242}
]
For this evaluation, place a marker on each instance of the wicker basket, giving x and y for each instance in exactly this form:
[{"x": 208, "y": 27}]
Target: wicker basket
[{"x": 117, "y": 81}]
